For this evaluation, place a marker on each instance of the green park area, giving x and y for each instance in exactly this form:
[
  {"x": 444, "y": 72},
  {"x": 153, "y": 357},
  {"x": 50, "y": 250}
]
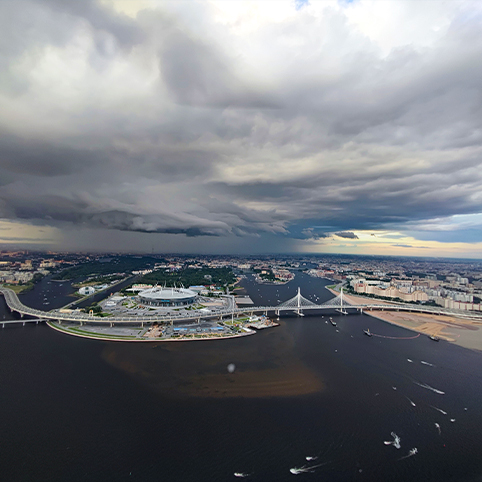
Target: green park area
[
  {"x": 99, "y": 280},
  {"x": 266, "y": 275},
  {"x": 99, "y": 272},
  {"x": 121, "y": 264},
  {"x": 24, "y": 287},
  {"x": 191, "y": 277}
]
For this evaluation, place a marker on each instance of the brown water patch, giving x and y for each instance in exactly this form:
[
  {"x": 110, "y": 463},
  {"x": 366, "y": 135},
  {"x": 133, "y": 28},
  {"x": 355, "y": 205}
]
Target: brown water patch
[{"x": 266, "y": 366}]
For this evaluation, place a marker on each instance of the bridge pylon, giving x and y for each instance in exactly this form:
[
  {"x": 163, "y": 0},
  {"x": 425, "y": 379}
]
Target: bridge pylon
[
  {"x": 296, "y": 304},
  {"x": 299, "y": 311},
  {"x": 341, "y": 310}
]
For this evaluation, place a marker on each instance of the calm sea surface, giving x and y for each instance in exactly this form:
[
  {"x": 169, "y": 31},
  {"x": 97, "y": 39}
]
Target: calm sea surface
[{"x": 81, "y": 410}]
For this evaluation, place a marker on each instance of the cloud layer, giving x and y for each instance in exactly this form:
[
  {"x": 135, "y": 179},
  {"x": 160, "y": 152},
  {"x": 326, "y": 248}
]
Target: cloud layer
[{"x": 279, "y": 121}]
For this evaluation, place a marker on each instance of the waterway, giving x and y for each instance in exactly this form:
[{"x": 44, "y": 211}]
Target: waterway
[
  {"x": 86, "y": 410},
  {"x": 48, "y": 294}
]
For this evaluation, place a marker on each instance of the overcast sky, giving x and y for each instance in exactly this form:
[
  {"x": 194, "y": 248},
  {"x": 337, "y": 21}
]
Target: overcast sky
[{"x": 251, "y": 126}]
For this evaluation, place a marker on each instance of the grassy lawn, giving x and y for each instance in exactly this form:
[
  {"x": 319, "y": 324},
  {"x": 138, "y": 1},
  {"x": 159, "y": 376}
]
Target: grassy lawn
[
  {"x": 19, "y": 288},
  {"x": 244, "y": 318}
]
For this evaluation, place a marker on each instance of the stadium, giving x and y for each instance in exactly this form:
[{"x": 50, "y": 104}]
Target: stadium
[{"x": 167, "y": 297}]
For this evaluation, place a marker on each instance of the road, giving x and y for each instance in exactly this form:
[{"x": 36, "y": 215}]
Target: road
[{"x": 298, "y": 304}]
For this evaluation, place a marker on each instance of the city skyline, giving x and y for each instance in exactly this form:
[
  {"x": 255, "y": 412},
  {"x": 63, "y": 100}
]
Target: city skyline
[{"x": 242, "y": 127}]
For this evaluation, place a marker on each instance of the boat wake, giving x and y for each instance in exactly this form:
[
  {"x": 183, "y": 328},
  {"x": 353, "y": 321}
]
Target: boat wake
[
  {"x": 428, "y": 387},
  {"x": 439, "y": 410},
  {"x": 395, "y": 442},
  {"x": 410, "y": 453},
  {"x": 304, "y": 470},
  {"x": 397, "y": 337},
  {"x": 412, "y": 403},
  {"x": 439, "y": 430},
  {"x": 426, "y": 363}
]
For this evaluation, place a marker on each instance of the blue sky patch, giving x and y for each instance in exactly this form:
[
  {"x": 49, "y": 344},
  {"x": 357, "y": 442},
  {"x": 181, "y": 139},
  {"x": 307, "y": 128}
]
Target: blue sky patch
[{"x": 299, "y": 4}]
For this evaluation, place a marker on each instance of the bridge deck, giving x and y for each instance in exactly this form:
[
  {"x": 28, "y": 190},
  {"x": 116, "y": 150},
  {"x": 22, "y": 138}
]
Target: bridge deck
[{"x": 15, "y": 304}]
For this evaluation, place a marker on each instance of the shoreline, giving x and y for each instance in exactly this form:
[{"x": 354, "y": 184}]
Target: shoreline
[
  {"x": 374, "y": 314},
  {"x": 272, "y": 283},
  {"x": 146, "y": 340},
  {"x": 460, "y": 331}
]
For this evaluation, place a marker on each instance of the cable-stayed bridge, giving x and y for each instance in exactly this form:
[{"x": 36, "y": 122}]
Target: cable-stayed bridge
[{"x": 298, "y": 304}]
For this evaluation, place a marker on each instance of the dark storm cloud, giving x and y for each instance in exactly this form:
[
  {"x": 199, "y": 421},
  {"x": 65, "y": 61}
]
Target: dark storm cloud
[
  {"x": 149, "y": 223},
  {"x": 312, "y": 233},
  {"x": 54, "y": 209},
  {"x": 346, "y": 235},
  {"x": 23, "y": 156},
  {"x": 47, "y": 207},
  {"x": 365, "y": 200},
  {"x": 171, "y": 122}
]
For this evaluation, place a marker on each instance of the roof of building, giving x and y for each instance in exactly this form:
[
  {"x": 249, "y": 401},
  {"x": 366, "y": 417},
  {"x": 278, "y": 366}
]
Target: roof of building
[{"x": 167, "y": 293}]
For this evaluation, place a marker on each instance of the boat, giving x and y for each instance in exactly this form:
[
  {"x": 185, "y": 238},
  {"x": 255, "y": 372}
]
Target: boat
[
  {"x": 240, "y": 474},
  {"x": 332, "y": 322},
  {"x": 434, "y": 338},
  {"x": 304, "y": 469},
  {"x": 367, "y": 332},
  {"x": 395, "y": 442}
]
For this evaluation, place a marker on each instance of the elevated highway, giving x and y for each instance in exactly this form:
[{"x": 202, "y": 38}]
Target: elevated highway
[{"x": 298, "y": 304}]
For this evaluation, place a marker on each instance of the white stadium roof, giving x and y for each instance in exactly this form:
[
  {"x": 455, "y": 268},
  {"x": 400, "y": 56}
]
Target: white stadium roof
[{"x": 167, "y": 293}]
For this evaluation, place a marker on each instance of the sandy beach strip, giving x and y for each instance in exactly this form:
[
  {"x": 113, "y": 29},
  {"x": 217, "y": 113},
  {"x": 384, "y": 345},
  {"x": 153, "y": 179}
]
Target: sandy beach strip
[{"x": 461, "y": 331}]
